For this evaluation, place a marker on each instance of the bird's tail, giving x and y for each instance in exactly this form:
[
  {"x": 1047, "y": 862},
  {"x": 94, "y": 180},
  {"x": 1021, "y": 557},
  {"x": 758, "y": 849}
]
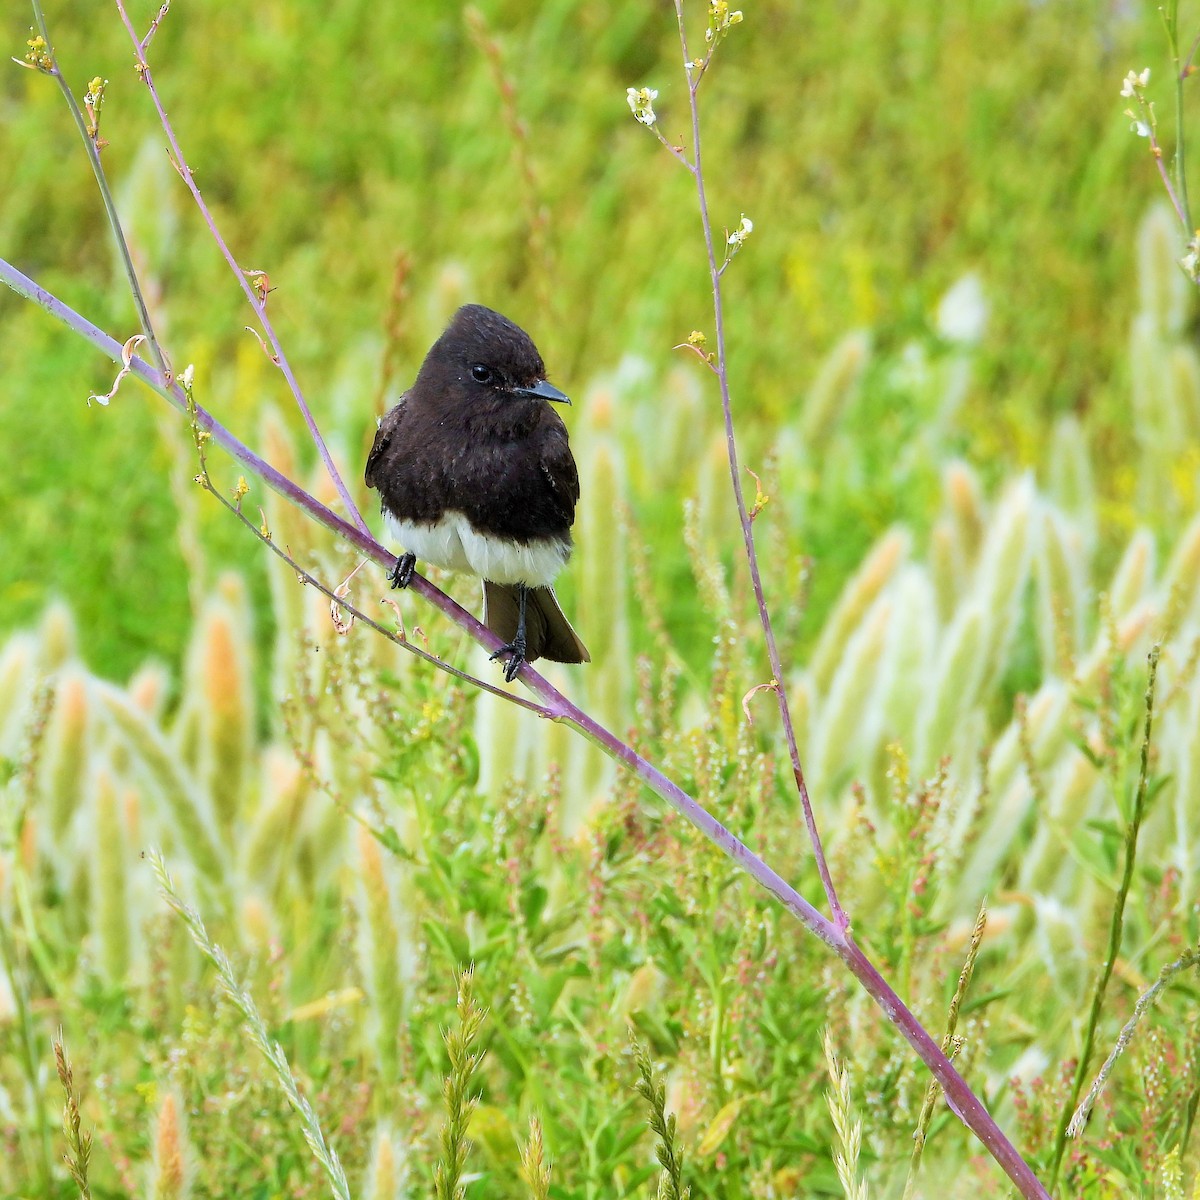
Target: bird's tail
[{"x": 548, "y": 633}]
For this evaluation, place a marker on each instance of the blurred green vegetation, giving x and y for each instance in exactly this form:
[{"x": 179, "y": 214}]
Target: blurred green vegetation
[
  {"x": 964, "y": 369},
  {"x": 882, "y": 150}
]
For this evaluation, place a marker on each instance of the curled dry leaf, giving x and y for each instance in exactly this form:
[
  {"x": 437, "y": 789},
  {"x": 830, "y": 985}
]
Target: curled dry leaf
[
  {"x": 395, "y": 607},
  {"x": 343, "y": 619},
  {"x": 126, "y": 358},
  {"x": 262, "y": 345},
  {"x": 758, "y": 687}
]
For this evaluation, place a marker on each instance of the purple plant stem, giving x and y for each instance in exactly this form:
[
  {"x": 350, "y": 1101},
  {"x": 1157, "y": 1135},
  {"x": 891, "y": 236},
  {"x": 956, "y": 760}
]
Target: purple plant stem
[
  {"x": 1165, "y": 175},
  {"x": 404, "y": 643},
  {"x": 958, "y": 1094},
  {"x": 257, "y": 303},
  {"x": 276, "y": 480},
  {"x": 837, "y": 937},
  {"x": 735, "y": 474}
]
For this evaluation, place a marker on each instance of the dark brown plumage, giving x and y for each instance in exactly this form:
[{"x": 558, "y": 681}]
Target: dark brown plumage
[{"x": 475, "y": 473}]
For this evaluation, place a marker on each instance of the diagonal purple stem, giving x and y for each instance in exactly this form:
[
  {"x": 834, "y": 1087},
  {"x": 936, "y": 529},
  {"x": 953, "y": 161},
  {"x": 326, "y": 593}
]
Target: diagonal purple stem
[{"x": 959, "y": 1095}]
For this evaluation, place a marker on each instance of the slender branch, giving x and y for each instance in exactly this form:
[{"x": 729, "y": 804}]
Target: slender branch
[
  {"x": 158, "y": 19},
  {"x": 392, "y": 636},
  {"x": 1184, "y": 962},
  {"x": 271, "y": 1050},
  {"x": 257, "y": 299},
  {"x": 1145, "y": 124},
  {"x": 715, "y": 270},
  {"x": 1165, "y": 176},
  {"x": 200, "y": 437},
  {"x": 110, "y": 207},
  {"x": 958, "y": 1094},
  {"x": 275, "y": 480}
]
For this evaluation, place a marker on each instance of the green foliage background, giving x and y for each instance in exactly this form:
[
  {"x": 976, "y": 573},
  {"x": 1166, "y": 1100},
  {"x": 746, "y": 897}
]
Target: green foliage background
[
  {"x": 881, "y": 149},
  {"x": 945, "y": 513}
]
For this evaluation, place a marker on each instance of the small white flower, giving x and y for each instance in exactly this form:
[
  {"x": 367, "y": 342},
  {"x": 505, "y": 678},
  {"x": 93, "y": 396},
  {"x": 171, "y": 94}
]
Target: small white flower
[
  {"x": 1135, "y": 81},
  {"x": 737, "y": 236},
  {"x": 1140, "y": 128},
  {"x": 641, "y": 104}
]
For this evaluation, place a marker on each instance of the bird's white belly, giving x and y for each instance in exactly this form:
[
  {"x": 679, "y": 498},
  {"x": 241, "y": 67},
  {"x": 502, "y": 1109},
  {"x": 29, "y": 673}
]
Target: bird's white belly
[{"x": 453, "y": 544}]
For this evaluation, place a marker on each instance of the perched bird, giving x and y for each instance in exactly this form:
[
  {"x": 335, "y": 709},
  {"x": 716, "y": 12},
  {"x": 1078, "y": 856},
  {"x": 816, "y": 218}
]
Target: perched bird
[{"x": 475, "y": 474}]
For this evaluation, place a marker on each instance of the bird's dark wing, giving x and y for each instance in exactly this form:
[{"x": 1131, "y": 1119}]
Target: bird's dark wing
[
  {"x": 383, "y": 439},
  {"x": 558, "y": 468}
]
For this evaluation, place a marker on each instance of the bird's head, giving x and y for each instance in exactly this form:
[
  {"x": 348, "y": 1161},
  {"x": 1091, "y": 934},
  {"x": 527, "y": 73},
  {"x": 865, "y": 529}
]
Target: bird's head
[{"x": 484, "y": 361}]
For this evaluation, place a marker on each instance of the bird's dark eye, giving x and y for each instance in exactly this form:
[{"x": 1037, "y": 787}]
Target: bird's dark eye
[{"x": 482, "y": 374}]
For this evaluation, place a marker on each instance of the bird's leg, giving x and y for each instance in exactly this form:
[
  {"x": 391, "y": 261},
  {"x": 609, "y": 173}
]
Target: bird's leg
[
  {"x": 401, "y": 574},
  {"x": 516, "y": 648}
]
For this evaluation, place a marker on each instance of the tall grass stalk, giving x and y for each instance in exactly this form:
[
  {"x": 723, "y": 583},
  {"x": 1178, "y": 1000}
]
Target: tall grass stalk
[
  {"x": 1133, "y": 827},
  {"x": 13, "y": 958},
  {"x": 461, "y": 1044},
  {"x": 847, "y": 1127},
  {"x": 535, "y": 1167},
  {"x": 662, "y": 1124},
  {"x": 271, "y": 1050},
  {"x": 79, "y": 1144},
  {"x": 948, "y": 1045}
]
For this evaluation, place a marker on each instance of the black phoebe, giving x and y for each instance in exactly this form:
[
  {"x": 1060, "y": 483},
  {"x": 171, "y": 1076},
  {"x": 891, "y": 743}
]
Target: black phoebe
[{"x": 475, "y": 474}]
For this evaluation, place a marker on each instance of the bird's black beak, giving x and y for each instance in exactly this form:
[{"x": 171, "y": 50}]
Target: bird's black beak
[{"x": 544, "y": 391}]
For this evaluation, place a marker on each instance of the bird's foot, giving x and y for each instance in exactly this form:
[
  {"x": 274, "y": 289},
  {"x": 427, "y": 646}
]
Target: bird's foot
[
  {"x": 401, "y": 574},
  {"x": 516, "y": 652}
]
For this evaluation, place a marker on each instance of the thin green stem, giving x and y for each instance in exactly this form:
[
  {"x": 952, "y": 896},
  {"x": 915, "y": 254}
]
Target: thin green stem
[
  {"x": 110, "y": 207},
  {"x": 949, "y": 1044},
  {"x": 1116, "y": 927},
  {"x": 256, "y": 1027},
  {"x": 27, "y": 1040},
  {"x": 1170, "y": 14}
]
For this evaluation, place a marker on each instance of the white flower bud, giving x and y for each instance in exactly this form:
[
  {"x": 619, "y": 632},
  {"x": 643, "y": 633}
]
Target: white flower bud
[{"x": 641, "y": 104}]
